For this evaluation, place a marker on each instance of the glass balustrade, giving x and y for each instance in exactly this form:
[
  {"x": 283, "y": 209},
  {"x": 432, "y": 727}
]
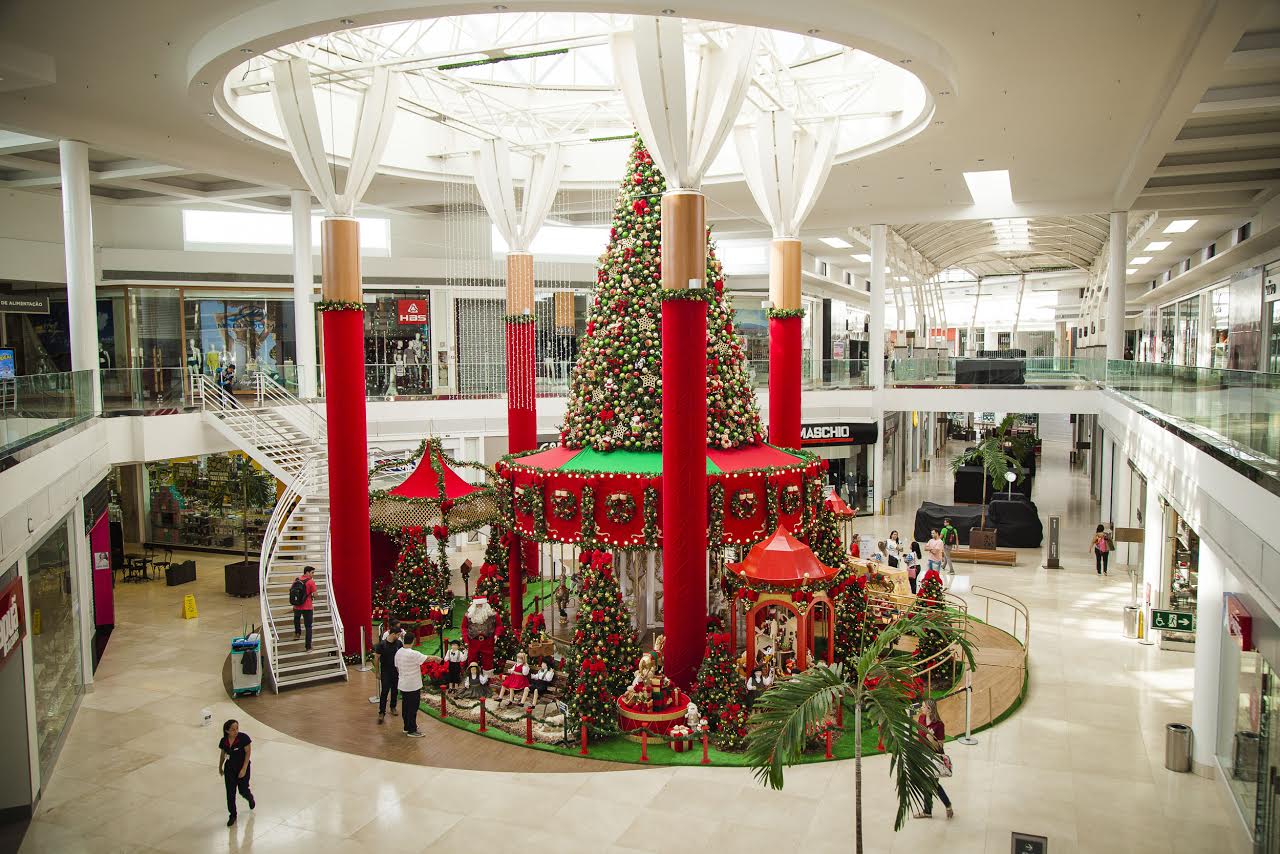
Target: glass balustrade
[{"x": 40, "y": 405}]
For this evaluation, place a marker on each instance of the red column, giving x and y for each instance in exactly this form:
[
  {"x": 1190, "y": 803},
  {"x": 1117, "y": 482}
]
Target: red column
[
  {"x": 784, "y": 381},
  {"x": 684, "y": 436},
  {"x": 522, "y": 414},
  {"x": 347, "y": 433}
]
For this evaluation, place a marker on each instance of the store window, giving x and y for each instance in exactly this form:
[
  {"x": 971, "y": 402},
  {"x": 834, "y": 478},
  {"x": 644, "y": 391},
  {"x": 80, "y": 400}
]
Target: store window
[
  {"x": 36, "y": 328},
  {"x": 55, "y": 641},
  {"x": 230, "y": 336},
  {"x": 397, "y": 343},
  {"x": 1188, "y": 330},
  {"x": 1168, "y": 323},
  {"x": 1220, "y": 323},
  {"x": 221, "y": 502}
]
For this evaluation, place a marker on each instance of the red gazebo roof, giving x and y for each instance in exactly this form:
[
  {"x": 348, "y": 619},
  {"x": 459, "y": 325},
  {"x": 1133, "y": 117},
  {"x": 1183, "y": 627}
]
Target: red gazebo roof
[
  {"x": 783, "y": 560},
  {"x": 424, "y": 480},
  {"x": 838, "y": 506}
]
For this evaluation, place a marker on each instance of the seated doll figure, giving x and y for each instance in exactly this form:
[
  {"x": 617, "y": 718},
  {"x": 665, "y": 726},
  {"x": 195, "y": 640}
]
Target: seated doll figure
[
  {"x": 475, "y": 686},
  {"x": 757, "y": 684},
  {"x": 542, "y": 679},
  {"x": 456, "y": 657},
  {"x": 517, "y": 679}
]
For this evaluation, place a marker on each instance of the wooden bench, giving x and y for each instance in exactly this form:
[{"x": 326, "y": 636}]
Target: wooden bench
[{"x": 969, "y": 555}]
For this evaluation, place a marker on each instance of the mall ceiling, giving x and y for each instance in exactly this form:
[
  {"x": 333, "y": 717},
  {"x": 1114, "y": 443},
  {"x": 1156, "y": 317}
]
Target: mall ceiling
[{"x": 1092, "y": 106}]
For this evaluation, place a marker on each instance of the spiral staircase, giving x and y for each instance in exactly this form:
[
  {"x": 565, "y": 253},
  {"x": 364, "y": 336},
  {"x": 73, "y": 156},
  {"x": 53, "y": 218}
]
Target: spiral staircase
[{"x": 287, "y": 438}]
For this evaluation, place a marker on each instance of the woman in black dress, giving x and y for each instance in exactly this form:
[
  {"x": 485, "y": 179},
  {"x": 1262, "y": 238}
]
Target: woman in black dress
[{"x": 234, "y": 751}]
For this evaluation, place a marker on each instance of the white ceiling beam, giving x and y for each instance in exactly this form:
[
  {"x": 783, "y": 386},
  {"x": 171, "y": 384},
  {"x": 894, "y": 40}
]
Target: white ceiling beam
[
  {"x": 1216, "y": 167},
  {"x": 1215, "y": 187},
  {"x": 27, "y": 164},
  {"x": 12, "y": 142},
  {"x": 1225, "y": 142},
  {"x": 136, "y": 169},
  {"x": 1266, "y": 57},
  {"x": 1238, "y": 100}
]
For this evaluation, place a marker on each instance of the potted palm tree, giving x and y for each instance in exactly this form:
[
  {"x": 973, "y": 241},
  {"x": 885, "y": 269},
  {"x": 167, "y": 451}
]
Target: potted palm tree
[
  {"x": 998, "y": 454},
  {"x": 879, "y": 684}
]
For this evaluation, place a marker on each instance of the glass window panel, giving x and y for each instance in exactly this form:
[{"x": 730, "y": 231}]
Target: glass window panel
[{"x": 55, "y": 641}]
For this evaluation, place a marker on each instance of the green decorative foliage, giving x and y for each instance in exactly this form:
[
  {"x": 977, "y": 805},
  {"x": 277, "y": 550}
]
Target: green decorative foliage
[
  {"x": 518, "y": 319},
  {"x": 615, "y": 398},
  {"x": 492, "y": 584},
  {"x": 822, "y": 535},
  {"x": 931, "y": 599},
  {"x": 688, "y": 295},
  {"x": 339, "y": 305},
  {"x": 604, "y": 648},
  {"x": 418, "y": 583},
  {"x": 784, "y": 313},
  {"x": 998, "y": 454},
  {"x": 721, "y": 695},
  {"x": 854, "y": 627}
]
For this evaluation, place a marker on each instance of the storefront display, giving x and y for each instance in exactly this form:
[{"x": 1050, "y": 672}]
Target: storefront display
[
  {"x": 220, "y": 502},
  {"x": 397, "y": 343},
  {"x": 55, "y": 641},
  {"x": 847, "y": 449},
  {"x": 232, "y": 336}
]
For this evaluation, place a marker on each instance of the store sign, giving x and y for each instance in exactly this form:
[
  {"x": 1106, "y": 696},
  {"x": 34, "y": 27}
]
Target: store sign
[
  {"x": 13, "y": 625},
  {"x": 1173, "y": 621},
  {"x": 7, "y": 368},
  {"x": 1239, "y": 622},
  {"x": 849, "y": 433},
  {"x": 412, "y": 312},
  {"x": 20, "y": 304}
]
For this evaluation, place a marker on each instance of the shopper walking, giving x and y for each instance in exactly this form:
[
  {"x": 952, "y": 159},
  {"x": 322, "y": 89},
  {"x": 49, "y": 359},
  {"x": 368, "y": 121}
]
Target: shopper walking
[
  {"x": 408, "y": 663},
  {"x": 1102, "y": 545},
  {"x": 388, "y": 676},
  {"x": 935, "y": 550},
  {"x": 301, "y": 594},
  {"x": 234, "y": 752},
  {"x": 894, "y": 546},
  {"x": 934, "y": 733},
  {"x": 950, "y": 537},
  {"x": 911, "y": 560}
]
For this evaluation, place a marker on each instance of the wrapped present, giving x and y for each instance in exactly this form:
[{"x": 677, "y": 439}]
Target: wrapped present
[
  {"x": 539, "y": 649},
  {"x": 678, "y": 735}
]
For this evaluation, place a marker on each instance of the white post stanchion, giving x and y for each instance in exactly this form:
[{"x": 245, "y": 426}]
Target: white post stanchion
[
  {"x": 364, "y": 667},
  {"x": 968, "y": 738}
]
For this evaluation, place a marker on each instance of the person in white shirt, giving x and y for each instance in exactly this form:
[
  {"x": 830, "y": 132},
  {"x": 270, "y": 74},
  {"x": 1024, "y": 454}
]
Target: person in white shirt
[
  {"x": 542, "y": 680},
  {"x": 409, "y": 668},
  {"x": 894, "y": 548},
  {"x": 455, "y": 658}
]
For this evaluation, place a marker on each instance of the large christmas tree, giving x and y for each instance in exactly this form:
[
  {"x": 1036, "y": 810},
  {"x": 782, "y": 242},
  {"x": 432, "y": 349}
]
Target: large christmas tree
[
  {"x": 492, "y": 585},
  {"x": 604, "y": 647},
  {"x": 615, "y": 396}
]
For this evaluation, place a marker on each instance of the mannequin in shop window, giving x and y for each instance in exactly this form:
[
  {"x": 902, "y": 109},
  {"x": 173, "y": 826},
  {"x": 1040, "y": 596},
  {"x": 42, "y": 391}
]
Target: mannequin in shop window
[
  {"x": 416, "y": 360},
  {"x": 195, "y": 361}
]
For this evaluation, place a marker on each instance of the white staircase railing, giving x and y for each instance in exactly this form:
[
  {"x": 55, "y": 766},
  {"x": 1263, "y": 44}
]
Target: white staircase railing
[{"x": 268, "y": 392}]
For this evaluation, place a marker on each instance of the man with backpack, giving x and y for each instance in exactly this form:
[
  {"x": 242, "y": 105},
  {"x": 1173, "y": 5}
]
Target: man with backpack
[
  {"x": 300, "y": 595},
  {"x": 950, "y": 537}
]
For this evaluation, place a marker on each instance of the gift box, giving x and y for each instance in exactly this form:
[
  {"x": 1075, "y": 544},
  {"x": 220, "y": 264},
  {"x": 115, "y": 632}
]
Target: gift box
[{"x": 678, "y": 736}]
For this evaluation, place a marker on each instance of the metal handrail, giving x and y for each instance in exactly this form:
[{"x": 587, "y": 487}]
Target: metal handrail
[
  {"x": 1019, "y": 610},
  {"x": 284, "y": 508},
  {"x": 268, "y": 392},
  {"x": 267, "y": 438}
]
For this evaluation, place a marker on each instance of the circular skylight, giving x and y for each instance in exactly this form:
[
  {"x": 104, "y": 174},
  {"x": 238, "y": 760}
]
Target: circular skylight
[{"x": 535, "y": 78}]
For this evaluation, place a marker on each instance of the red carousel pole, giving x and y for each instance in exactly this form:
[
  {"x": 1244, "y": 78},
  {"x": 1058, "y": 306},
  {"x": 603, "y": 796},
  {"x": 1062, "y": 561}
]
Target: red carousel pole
[
  {"x": 347, "y": 430},
  {"x": 522, "y": 416},
  {"x": 684, "y": 433},
  {"x": 784, "y": 343}
]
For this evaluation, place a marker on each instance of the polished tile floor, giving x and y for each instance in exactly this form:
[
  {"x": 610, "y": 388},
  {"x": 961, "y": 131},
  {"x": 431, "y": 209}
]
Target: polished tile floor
[{"x": 1080, "y": 763}]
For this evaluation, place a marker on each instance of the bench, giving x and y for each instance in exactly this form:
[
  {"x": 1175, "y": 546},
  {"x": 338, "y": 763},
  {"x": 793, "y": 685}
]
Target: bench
[{"x": 971, "y": 555}]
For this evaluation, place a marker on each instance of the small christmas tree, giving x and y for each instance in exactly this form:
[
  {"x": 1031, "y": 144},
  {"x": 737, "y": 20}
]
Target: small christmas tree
[
  {"x": 615, "y": 396},
  {"x": 418, "y": 582},
  {"x": 604, "y": 647},
  {"x": 822, "y": 536},
  {"x": 854, "y": 626},
  {"x": 721, "y": 695},
  {"x": 492, "y": 585},
  {"x": 930, "y": 597}
]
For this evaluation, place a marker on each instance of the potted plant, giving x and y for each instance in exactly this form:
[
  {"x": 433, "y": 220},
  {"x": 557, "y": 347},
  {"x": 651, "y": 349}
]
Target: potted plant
[
  {"x": 998, "y": 454},
  {"x": 253, "y": 487}
]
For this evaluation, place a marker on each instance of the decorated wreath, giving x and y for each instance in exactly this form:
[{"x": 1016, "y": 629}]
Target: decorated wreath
[
  {"x": 743, "y": 504},
  {"x": 564, "y": 504},
  {"x": 620, "y": 508},
  {"x": 527, "y": 500},
  {"x": 789, "y": 500}
]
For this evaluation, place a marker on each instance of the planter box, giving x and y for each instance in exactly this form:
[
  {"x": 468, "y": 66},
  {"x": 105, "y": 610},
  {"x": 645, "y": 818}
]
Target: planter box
[
  {"x": 241, "y": 578},
  {"x": 982, "y": 538}
]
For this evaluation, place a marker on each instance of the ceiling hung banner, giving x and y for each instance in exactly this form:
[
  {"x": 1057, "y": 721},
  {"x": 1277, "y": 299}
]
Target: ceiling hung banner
[
  {"x": 683, "y": 122},
  {"x": 295, "y": 102},
  {"x": 517, "y": 225},
  {"x": 786, "y": 166}
]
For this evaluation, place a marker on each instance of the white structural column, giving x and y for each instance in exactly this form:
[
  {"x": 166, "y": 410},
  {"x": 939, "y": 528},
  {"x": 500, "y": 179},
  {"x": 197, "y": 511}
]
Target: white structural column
[
  {"x": 77, "y": 231},
  {"x": 1204, "y": 702},
  {"x": 875, "y": 360},
  {"x": 1118, "y": 247},
  {"x": 1105, "y": 486},
  {"x": 304, "y": 312},
  {"x": 1152, "y": 544}
]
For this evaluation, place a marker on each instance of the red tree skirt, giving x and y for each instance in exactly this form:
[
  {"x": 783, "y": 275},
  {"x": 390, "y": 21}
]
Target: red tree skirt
[
  {"x": 684, "y": 493},
  {"x": 348, "y": 473},
  {"x": 784, "y": 381}
]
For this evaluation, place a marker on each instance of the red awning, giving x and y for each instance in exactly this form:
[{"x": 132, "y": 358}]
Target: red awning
[
  {"x": 783, "y": 560},
  {"x": 837, "y": 505},
  {"x": 424, "y": 481}
]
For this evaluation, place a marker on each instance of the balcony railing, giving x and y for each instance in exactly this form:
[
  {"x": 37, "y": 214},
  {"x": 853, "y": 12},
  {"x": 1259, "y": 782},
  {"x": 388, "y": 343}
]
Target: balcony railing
[{"x": 38, "y": 406}]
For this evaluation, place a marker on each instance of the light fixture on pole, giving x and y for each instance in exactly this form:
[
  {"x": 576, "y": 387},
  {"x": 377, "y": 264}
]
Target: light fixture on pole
[{"x": 1010, "y": 477}]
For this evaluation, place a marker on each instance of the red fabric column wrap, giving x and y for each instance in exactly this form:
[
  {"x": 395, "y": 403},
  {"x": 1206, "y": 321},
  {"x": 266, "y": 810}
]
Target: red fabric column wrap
[
  {"x": 522, "y": 435},
  {"x": 784, "y": 381},
  {"x": 684, "y": 486},
  {"x": 348, "y": 474}
]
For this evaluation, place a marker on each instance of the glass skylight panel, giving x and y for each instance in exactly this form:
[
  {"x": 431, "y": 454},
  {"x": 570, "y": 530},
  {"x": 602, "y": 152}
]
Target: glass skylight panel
[
  {"x": 1012, "y": 235},
  {"x": 990, "y": 188},
  {"x": 1178, "y": 226},
  {"x": 837, "y": 243}
]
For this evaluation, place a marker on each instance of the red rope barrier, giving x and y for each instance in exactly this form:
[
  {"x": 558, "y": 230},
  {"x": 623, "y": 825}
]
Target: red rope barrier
[
  {"x": 483, "y": 728},
  {"x": 706, "y": 760},
  {"x": 644, "y": 745},
  {"x": 828, "y": 753},
  {"x": 528, "y": 725},
  {"x": 583, "y": 751}
]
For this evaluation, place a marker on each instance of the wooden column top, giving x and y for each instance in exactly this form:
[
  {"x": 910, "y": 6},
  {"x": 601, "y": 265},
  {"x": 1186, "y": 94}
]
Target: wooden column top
[
  {"x": 340, "y": 259},
  {"x": 684, "y": 240}
]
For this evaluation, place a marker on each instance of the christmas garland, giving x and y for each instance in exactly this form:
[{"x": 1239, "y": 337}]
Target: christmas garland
[
  {"x": 715, "y": 512},
  {"x": 564, "y": 505},
  {"x": 790, "y": 500},
  {"x": 588, "y": 516},
  {"x": 651, "y": 499},
  {"x": 620, "y": 508},
  {"x": 770, "y": 506},
  {"x": 743, "y": 504},
  {"x": 784, "y": 313},
  {"x": 518, "y": 319},
  {"x": 339, "y": 305},
  {"x": 688, "y": 294},
  {"x": 448, "y": 509},
  {"x": 527, "y": 499}
]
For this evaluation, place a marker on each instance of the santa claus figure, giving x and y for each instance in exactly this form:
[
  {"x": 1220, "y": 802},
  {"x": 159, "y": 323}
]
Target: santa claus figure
[{"x": 479, "y": 629}]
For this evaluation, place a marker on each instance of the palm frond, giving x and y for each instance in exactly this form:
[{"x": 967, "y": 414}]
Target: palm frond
[
  {"x": 785, "y": 716},
  {"x": 911, "y": 763}
]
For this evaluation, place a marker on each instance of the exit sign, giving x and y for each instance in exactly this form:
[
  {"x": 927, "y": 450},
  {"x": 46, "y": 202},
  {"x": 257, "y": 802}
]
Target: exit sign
[{"x": 1173, "y": 621}]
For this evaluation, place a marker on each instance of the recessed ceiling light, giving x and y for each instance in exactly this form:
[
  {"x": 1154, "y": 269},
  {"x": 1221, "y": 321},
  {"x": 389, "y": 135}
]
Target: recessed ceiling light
[
  {"x": 246, "y": 50},
  {"x": 203, "y": 82},
  {"x": 813, "y": 31},
  {"x": 863, "y": 257},
  {"x": 668, "y": 11},
  {"x": 901, "y": 279},
  {"x": 990, "y": 188},
  {"x": 1140, "y": 260},
  {"x": 1179, "y": 225},
  {"x": 1130, "y": 271},
  {"x": 1157, "y": 245},
  {"x": 346, "y": 22},
  {"x": 945, "y": 92},
  {"x": 836, "y": 242},
  {"x": 905, "y": 61}
]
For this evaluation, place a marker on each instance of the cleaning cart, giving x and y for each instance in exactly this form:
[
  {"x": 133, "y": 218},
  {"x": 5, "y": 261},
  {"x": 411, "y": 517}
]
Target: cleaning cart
[{"x": 246, "y": 665}]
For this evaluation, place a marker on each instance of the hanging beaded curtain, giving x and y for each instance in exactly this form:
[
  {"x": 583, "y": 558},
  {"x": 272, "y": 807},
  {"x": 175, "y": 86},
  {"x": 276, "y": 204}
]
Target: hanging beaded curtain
[{"x": 470, "y": 265}]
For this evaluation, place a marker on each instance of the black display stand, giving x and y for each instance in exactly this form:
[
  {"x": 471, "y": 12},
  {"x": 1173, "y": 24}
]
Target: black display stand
[
  {"x": 180, "y": 573},
  {"x": 242, "y": 578}
]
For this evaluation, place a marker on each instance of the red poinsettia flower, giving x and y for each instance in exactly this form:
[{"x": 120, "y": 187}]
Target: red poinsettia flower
[{"x": 606, "y": 414}]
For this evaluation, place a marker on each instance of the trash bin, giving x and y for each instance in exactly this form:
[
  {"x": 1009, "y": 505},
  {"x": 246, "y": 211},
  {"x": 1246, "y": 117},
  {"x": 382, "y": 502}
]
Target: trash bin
[
  {"x": 1177, "y": 747},
  {"x": 1131, "y": 617},
  {"x": 1245, "y": 766}
]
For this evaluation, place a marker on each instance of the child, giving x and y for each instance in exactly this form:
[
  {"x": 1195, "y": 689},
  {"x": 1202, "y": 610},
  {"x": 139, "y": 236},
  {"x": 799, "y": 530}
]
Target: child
[
  {"x": 476, "y": 685},
  {"x": 517, "y": 679},
  {"x": 911, "y": 560},
  {"x": 455, "y": 658},
  {"x": 543, "y": 679}
]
